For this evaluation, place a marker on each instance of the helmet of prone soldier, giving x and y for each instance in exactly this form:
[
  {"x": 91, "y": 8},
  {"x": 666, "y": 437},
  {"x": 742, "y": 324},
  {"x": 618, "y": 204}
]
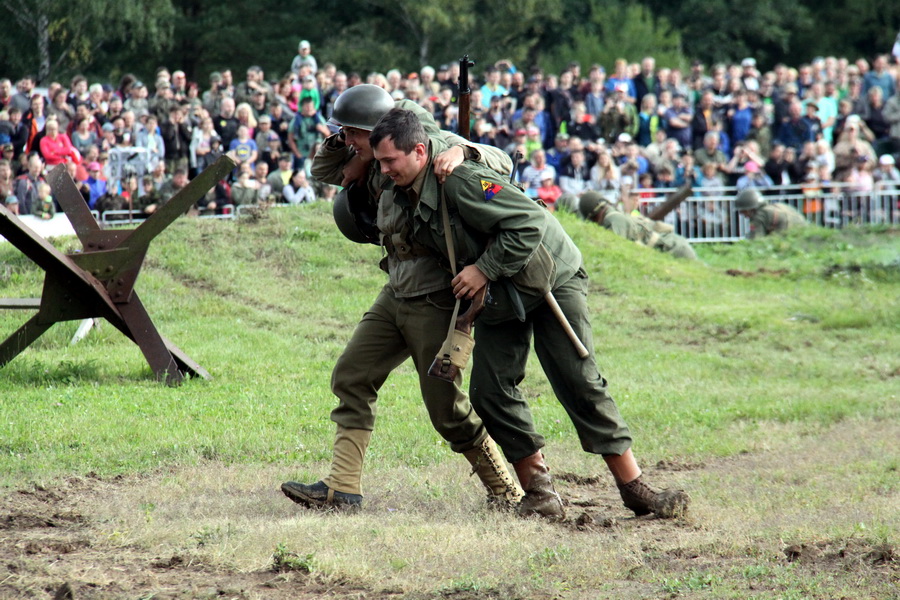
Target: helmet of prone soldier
[
  {"x": 591, "y": 203},
  {"x": 361, "y": 106},
  {"x": 748, "y": 199},
  {"x": 356, "y": 216}
]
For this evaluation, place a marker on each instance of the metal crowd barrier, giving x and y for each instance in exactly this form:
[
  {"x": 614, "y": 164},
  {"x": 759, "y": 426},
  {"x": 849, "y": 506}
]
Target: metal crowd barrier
[
  {"x": 122, "y": 218},
  {"x": 708, "y": 215}
]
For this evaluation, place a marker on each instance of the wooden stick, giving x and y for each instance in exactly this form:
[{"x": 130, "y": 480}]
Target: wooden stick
[{"x": 554, "y": 306}]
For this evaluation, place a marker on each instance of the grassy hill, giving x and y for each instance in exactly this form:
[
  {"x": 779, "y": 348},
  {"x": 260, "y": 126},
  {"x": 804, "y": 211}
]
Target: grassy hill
[{"x": 764, "y": 379}]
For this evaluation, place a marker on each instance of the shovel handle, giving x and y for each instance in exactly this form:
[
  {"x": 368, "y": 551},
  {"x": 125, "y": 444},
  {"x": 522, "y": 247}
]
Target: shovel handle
[{"x": 567, "y": 327}]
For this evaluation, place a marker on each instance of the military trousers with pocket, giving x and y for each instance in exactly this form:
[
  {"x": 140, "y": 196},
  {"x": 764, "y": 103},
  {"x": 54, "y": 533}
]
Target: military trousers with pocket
[
  {"x": 391, "y": 331},
  {"x": 498, "y": 367}
]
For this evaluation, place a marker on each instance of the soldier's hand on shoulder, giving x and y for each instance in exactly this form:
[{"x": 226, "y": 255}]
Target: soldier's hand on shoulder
[{"x": 446, "y": 161}]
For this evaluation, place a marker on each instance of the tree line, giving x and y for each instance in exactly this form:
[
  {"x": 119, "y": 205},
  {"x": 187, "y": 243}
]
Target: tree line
[{"x": 55, "y": 39}]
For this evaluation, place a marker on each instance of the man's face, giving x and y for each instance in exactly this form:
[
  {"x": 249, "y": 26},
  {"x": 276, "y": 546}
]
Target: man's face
[
  {"x": 179, "y": 180},
  {"x": 5, "y": 88},
  {"x": 401, "y": 167},
  {"x": 358, "y": 140},
  {"x": 35, "y": 166}
]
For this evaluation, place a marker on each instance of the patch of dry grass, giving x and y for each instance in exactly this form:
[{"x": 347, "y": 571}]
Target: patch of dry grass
[{"x": 426, "y": 530}]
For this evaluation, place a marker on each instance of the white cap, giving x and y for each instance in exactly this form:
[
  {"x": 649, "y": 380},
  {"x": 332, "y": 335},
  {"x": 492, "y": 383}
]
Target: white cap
[
  {"x": 624, "y": 138},
  {"x": 886, "y": 159}
]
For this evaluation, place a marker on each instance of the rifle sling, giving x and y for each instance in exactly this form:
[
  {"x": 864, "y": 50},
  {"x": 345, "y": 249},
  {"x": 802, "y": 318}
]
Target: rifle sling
[{"x": 451, "y": 253}]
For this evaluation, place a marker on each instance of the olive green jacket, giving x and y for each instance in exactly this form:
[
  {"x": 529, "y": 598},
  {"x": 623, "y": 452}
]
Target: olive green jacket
[
  {"x": 774, "y": 217},
  {"x": 413, "y": 270},
  {"x": 496, "y": 227}
]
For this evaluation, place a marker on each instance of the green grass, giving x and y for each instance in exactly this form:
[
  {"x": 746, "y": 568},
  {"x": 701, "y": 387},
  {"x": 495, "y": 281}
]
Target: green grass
[
  {"x": 267, "y": 306},
  {"x": 754, "y": 347}
]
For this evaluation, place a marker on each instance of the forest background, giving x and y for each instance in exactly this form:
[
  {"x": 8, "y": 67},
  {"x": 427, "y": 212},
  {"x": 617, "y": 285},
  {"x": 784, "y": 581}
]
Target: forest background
[{"x": 56, "y": 39}]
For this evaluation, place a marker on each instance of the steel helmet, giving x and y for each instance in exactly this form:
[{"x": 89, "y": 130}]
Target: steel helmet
[
  {"x": 361, "y": 106},
  {"x": 748, "y": 199},
  {"x": 356, "y": 216},
  {"x": 590, "y": 204}
]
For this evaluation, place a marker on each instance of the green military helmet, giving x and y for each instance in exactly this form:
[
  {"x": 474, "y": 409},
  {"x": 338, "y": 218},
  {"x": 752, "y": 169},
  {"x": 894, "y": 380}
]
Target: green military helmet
[
  {"x": 748, "y": 199},
  {"x": 356, "y": 216},
  {"x": 590, "y": 204},
  {"x": 361, "y": 106}
]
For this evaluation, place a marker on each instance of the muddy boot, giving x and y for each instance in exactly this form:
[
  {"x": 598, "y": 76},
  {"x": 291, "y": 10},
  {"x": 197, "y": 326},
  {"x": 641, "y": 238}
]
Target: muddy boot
[
  {"x": 488, "y": 464},
  {"x": 341, "y": 489},
  {"x": 540, "y": 497},
  {"x": 644, "y": 499}
]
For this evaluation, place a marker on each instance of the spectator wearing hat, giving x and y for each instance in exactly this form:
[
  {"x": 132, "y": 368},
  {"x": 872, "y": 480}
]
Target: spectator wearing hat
[
  {"x": 96, "y": 184},
  {"x": 137, "y": 101},
  {"x": 887, "y": 175},
  {"x": 304, "y": 57},
  {"x": 811, "y": 122},
  {"x": 619, "y": 115},
  {"x": 271, "y": 151},
  {"x": 782, "y": 102},
  {"x": 11, "y": 203},
  {"x": 749, "y": 75},
  {"x": 310, "y": 89},
  {"x": 677, "y": 120},
  {"x": 850, "y": 147},
  {"x": 753, "y": 177}
]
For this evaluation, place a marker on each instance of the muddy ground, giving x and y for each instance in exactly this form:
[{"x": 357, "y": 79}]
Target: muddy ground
[{"x": 52, "y": 546}]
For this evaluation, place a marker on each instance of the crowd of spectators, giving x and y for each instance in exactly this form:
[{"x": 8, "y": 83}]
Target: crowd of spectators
[{"x": 636, "y": 128}]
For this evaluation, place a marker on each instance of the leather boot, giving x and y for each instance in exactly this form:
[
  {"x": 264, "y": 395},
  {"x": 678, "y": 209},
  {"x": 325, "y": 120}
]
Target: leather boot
[
  {"x": 540, "y": 497},
  {"x": 341, "y": 489},
  {"x": 488, "y": 464},
  {"x": 644, "y": 499}
]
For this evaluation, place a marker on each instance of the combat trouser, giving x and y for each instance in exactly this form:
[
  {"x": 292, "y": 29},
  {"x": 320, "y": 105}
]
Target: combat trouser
[
  {"x": 391, "y": 331},
  {"x": 498, "y": 366}
]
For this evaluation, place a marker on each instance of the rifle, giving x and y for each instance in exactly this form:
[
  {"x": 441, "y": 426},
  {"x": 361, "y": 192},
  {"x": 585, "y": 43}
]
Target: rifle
[
  {"x": 671, "y": 202},
  {"x": 465, "y": 94}
]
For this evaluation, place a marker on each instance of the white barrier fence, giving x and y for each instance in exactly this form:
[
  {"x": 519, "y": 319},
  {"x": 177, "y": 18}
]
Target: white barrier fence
[{"x": 708, "y": 215}]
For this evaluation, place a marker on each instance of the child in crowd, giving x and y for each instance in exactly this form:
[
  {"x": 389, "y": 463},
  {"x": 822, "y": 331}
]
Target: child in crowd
[
  {"x": 12, "y": 204},
  {"x": 44, "y": 207},
  {"x": 549, "y": 193}
]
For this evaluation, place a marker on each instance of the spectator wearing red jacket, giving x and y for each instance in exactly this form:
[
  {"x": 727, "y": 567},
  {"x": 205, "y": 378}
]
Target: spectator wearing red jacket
[{"x": 56, "y": 147}]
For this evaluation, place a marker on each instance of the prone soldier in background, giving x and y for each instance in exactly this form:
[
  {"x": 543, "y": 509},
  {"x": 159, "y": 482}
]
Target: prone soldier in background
[
  {"x": 766, "y": 218},
  {"x": 592, "y": 206}
]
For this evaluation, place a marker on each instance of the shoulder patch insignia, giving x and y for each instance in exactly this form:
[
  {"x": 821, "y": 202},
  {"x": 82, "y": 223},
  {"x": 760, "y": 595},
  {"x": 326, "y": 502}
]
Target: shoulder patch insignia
[{"x": 490, "y": 189}]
